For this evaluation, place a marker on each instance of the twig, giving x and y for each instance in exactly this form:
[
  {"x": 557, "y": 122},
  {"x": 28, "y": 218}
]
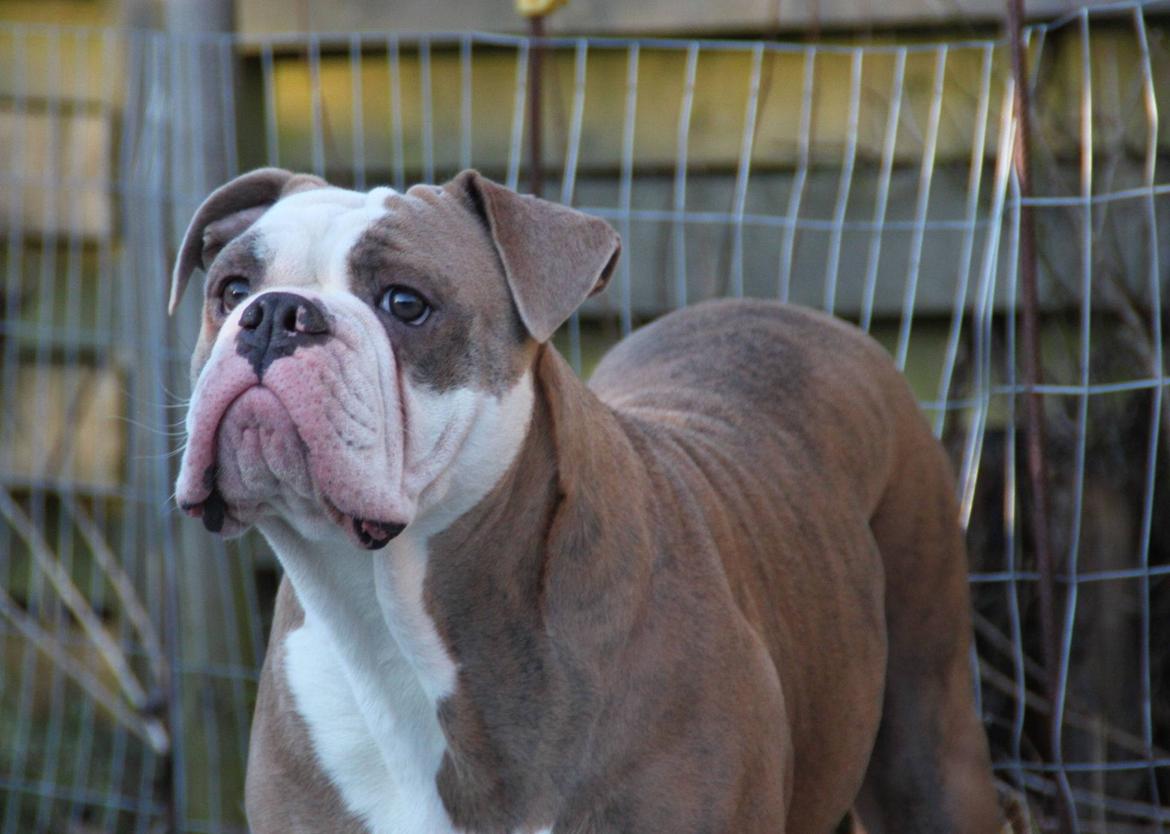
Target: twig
[
  {"x": 123, "y": 588},
  {"x": 77, "y": 604},
  {"x": 149, "y": 730},
  {"x": 75, "y": 412},
  {"x": 1072, "y": 717}
]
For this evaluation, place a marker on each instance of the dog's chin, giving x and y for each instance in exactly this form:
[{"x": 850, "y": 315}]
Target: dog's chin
[{"x": 263, "y": 469}]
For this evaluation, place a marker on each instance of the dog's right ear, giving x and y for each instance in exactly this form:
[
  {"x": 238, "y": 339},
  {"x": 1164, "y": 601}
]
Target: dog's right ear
[
  {"x": 226, "y": 214},
  {"x": 554, "y": 257}
]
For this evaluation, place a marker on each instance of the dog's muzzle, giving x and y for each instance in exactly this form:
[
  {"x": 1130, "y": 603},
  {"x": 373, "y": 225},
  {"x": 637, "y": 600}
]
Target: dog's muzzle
[{"x": 312, "y": 428}]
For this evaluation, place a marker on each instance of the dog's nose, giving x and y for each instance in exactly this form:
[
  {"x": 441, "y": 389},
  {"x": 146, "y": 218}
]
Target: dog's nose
[{"x": 275, "y": 325}]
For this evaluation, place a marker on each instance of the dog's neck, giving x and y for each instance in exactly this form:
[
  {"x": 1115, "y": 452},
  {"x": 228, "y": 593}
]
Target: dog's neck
[
  {"x": 529, "y": 462},
  {"x": 349, "y": 591},
  {"x": 426, "y": 630},
  {"x": 366, "y": 623},
  {"x": 537, "y": 590}
]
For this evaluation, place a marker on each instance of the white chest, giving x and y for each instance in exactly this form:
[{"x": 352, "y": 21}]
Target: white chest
[
  {"x": 366, "y": 670},
  {"x": 380, "y": 749},
  {"x": 366, "y": 677}
]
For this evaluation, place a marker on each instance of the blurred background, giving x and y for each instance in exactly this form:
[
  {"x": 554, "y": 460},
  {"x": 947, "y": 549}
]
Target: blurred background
[{"x": 868, "y": 158}]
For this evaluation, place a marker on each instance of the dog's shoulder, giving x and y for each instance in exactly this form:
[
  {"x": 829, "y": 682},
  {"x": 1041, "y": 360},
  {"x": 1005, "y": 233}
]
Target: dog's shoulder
[{"x": 770, "y": 390}]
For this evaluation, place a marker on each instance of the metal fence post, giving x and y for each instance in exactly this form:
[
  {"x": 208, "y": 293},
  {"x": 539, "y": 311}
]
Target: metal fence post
[
  {"x": 1033, "y": 375},
  {"x": 535, "y": 150}
]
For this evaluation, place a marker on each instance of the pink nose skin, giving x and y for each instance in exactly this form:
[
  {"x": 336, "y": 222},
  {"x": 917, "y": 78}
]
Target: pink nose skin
[{"x": 275, "y": 325}]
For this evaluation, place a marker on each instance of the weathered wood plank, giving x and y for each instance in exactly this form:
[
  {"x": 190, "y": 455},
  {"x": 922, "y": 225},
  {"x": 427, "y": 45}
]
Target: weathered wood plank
[
  {"x": 720, "y": 98},
  {"x": 615, "y": 17},
  {"x": 55, "y": 173},
  {"x": 69, "y": 423}
]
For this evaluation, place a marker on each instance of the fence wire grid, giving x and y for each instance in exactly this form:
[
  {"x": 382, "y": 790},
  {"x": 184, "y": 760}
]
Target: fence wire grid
[{"x": 873, "y": 180}]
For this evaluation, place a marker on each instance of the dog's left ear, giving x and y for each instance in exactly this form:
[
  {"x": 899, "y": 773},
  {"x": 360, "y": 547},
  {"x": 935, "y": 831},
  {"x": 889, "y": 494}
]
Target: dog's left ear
[
  {"x": 554, "y": 257},
  {"x": 226, "y": 214}
]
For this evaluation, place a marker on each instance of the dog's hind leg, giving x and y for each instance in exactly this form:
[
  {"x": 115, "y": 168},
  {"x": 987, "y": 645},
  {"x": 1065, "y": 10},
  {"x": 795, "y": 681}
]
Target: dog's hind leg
[{"x": 930, "y": 769}]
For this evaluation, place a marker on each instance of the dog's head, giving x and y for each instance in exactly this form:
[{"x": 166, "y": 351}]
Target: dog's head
[{"x": 364, "y": 356}]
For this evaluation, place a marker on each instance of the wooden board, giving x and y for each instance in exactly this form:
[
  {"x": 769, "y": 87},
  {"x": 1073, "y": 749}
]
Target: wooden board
[
  {"x": 620, "y": 17},
  {"x": 69, "y": 424}
]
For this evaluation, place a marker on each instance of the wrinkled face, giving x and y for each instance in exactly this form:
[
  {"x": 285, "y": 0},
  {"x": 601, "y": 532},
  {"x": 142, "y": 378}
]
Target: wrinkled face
[{"x": 359, "y": 354}]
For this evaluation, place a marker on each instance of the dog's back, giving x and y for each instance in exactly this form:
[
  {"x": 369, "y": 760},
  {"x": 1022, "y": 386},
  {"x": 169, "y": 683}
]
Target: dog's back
[{"x": 831, "y": 507}]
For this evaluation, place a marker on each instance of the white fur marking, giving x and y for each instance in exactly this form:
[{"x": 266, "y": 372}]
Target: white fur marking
[
  {"x": 381, "y": 757},
  {"x": 308, "y": 235},
  {"x": 368, "y": 667},
  {"x": 489, "y": 440}
]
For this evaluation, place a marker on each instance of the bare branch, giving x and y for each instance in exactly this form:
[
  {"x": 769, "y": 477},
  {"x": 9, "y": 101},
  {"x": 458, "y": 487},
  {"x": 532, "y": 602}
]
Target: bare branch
[
  {"x": 124, "y": 589},
  {"x": 150, "y": 730},
  {"x": 1072, "y": 718},
  {"x": 77, "y": 604}
]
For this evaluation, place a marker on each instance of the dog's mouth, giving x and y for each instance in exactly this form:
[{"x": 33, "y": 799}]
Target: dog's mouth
[
  {"x": 249, "y": 456},
  {"x": 212, "y": 510},
  {"x": 217, "y": 517}
]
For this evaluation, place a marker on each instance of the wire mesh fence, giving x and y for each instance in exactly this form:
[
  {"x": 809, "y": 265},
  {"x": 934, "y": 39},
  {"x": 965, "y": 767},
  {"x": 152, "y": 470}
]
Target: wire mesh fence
[{"x": 874, "y": 180}]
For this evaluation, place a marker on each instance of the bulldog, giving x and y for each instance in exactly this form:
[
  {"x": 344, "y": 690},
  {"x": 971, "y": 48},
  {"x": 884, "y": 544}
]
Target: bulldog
[{"x": 722, "y": 588}]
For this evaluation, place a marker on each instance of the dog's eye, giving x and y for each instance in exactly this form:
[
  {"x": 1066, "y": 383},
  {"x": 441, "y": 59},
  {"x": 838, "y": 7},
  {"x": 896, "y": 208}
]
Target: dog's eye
[
  {"x": 234, "y": 291},
  {"x": 405, "y": 305}
]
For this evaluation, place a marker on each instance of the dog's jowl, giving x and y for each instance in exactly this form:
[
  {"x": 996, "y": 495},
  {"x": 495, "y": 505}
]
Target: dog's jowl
[{"x": 721, "y": 588}]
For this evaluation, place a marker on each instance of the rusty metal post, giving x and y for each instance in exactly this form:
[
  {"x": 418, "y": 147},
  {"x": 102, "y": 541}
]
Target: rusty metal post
[
  {"x": 536, "y": 11},
  {"x": 1033, "y": 376},
  {"x": 535, "y": 149}
]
